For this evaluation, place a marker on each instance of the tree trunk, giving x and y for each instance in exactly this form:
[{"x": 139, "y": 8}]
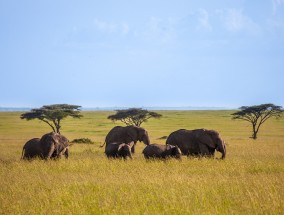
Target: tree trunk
[
  {"x": 57, "y": 125},
  {"x": 58, "y": 129},
  {"x": 254, "y": 134}
]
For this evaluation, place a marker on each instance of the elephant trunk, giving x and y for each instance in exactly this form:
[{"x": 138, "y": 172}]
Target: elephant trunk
[
  {"x": 146, "y": 140},
  {"x": 222, "y": 149}
]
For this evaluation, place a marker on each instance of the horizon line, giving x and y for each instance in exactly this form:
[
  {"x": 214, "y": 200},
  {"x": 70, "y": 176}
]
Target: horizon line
[{"x": 112, "y": 108}]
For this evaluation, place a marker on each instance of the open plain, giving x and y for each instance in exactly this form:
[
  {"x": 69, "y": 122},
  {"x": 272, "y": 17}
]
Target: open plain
[{"x": 249, "y": 181}]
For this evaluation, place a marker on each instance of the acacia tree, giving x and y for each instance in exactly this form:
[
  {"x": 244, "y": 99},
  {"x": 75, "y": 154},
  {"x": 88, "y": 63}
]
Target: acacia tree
[
  {"x": 134, "y": 116},
  {"x": 53, "y": 114},
  {"x": 257, "y": 115}
]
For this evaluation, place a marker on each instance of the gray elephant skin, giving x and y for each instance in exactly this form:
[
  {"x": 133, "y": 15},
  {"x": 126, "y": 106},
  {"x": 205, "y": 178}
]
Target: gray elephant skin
[
  {"x": 119, "y": 150},
  {"x": 49, "y": 146},
  {"x": 127, "y": 134},
  {"x": 162, "y": 151},
  {"x": 198, "y": 142}
]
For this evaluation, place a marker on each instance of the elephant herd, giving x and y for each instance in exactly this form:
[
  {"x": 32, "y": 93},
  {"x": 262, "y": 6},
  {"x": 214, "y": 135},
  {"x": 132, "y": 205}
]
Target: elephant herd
[
  {"x": 51, "y": 145},
  {"x": 120, "y": 142}
]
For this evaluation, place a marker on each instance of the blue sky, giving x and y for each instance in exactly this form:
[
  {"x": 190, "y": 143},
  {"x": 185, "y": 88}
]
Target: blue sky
[{"x": 223, "y": 53}]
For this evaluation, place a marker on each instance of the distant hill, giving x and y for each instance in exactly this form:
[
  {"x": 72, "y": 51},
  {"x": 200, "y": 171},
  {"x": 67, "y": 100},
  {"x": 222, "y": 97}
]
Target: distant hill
[
  {"x": 13, "y": 109},
  {"x": 156, "y": 108},
  {"x": 21, "y": 109}
]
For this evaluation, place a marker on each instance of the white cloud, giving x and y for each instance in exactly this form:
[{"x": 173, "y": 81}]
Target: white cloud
[
  {"x": 276, "y": 4},
  {"x": 125, "y": 28},
  {"x": 104, "y": 26},
  {"x": 109, "y": 27},
  {"x": 203, "y": 19},
  {"x": 162, "y": 30},
  {"x": 236, "y": 21},
  {"x": 275, "y": 26}
]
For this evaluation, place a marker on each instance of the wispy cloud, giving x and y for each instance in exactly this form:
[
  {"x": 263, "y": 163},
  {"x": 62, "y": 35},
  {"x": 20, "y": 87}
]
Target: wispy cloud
[
  {"x": 108, "y": 27},
  {"x": 125, "y": 28},
  {"x": 275, "y": 27},
  {"x": 160, "y": 29},
  {"x": 276, "y": 4},
  {"x": 236, "y": 21},
  {"x": 203, "y": 18}
]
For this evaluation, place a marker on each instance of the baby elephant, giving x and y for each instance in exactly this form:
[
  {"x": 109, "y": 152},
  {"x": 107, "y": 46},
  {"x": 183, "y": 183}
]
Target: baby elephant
[
  {"x": 161, "y": 151},
  {"x": 119, "y": 150}
]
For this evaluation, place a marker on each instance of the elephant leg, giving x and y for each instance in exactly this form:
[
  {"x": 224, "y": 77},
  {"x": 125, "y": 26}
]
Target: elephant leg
[
  {"x": 58, "y": 155},
  {"x": 133, "y": 149},
  {"x": 50, "y": 152},
  {"x": 204, "y": 151},
  {"x": 66, "y": 154},
  {"x": 212, "y": 151}
]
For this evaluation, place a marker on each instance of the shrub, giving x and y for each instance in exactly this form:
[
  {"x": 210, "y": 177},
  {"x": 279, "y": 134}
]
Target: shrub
[{"x": 82, "y": 140}]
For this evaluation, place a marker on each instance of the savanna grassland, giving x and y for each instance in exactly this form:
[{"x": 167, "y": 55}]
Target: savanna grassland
[{"x": 249, "y": 181}]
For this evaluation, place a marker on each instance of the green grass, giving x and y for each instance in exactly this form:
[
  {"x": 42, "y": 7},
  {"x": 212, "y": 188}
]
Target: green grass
[{"x": 249, "y": 181}]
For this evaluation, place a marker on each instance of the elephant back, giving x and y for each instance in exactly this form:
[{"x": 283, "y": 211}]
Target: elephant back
[
  {"x": 31, "y": 143},
  {"x": 184, "y": 139},
  {"x": 115, "y": 135},
  {"x": 31, "y": 149},
  {"x": 154, "y": 150}
]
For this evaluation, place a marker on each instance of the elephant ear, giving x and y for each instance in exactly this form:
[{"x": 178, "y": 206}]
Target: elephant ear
[
  {"x": 215, "y": 138},
  {"x": 124, "y": 147},
  {"x": 48, "y": 138},
  {"x": 205, "y": 137},
  {"x": 142, "y": 133},
  {"x": 169, "y": 147},
  {"x": 131, "y": 144},
  {"x": 198, "y": 133},
  {"x": 176, "y": 151},
  {"x": 63, "y": 140},
  {"x": 120, "y": 146},
  {"x": 132, "y": 132}
]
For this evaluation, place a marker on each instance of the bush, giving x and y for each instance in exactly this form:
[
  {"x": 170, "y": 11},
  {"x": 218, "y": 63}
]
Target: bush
[
  {"x": 162, "y": 138},
  {"x": 82, "y": 140}
]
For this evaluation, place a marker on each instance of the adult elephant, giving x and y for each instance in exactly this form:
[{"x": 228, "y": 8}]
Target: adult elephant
[
  {"x": 50, "y": 145},
  {"x": 127, "y": 134},
  {"x": 200, "y": 142}
]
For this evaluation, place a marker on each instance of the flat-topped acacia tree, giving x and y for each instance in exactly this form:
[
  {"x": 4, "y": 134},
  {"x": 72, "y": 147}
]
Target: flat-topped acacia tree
[
  {"x": 134, "y": 116},
  {"x": 53, "y": 114},
  {"x": 257, "y": 115}
]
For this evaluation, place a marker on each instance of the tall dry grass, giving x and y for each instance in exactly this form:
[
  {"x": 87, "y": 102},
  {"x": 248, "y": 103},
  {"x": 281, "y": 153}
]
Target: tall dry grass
[{"x": 249, "y": 181}]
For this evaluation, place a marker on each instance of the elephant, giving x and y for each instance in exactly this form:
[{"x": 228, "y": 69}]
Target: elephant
[
  {"x": 127, "y": 134},
  {"x": 161, "y": 151},
  {"x": 200, "y": 142},
  {"x": 63, "y": 151},
  {"x": 49, "y": 146},
  {"x": 119, "y": 150}
]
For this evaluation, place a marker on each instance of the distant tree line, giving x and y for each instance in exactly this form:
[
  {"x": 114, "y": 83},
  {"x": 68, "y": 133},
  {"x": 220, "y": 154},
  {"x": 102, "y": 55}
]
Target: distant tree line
[{"x": 53, "y": 115}]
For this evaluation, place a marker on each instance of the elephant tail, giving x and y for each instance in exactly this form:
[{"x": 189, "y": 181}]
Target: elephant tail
[
  {"x": 103, "y": 144},
  {"x": 23, "y": 151}
]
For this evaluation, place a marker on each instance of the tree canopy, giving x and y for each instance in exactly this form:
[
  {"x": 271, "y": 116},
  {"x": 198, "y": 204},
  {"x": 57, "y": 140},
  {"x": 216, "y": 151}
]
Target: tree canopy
[
  {"x": 53, "y": 114},
  {"x": 257, "y": 115},
  {"x": 134, "y": 116}
]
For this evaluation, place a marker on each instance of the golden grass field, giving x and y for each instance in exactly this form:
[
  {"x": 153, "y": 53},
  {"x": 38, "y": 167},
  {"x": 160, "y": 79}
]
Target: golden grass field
[{"x": 249, "y": 181}]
